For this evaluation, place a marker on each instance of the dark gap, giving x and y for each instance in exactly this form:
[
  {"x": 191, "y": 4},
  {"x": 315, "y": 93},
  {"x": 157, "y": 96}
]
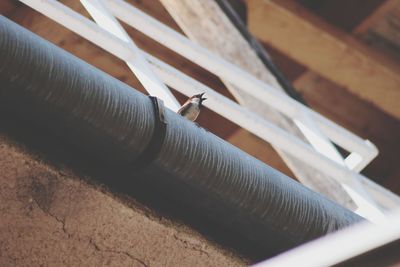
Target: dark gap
[{"x": 343, "y": 14}]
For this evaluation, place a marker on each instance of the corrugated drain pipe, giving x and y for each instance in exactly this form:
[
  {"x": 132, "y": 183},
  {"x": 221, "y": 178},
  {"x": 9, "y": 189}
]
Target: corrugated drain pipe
[{"x": 107, "y": 119}]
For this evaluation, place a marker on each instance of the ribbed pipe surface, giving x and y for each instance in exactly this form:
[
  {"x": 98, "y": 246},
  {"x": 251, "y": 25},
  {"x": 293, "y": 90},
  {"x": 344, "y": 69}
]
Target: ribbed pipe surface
[{"x": 106, "y": 118}]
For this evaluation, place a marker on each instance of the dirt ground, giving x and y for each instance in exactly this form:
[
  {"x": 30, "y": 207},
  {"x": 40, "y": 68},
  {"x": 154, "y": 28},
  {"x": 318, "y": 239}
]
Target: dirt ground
[{"x": 51, "y": 217}]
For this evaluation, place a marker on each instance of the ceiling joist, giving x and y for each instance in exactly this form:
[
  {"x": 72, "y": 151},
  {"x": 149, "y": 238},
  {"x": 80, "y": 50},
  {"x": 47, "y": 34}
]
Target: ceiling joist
[{"x": 329, "y": 54}]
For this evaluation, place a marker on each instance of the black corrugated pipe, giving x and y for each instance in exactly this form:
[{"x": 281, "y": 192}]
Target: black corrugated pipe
[{"x": 110, "y": 121}]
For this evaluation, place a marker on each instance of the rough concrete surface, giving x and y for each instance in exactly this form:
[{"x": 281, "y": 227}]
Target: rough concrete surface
[{"x": 50, "y": 217}]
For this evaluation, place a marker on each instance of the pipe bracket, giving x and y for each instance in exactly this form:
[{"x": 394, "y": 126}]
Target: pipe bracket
[{"x": 154, "y": 146}]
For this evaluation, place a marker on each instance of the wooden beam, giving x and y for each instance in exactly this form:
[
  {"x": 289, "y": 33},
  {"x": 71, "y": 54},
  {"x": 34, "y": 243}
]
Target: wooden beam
[
  {"x": 329, "y": 54},
  {"x": 379, "y": 13},
  {"x": 205, "y": 23},
  {"x": 382, "y": 30}
]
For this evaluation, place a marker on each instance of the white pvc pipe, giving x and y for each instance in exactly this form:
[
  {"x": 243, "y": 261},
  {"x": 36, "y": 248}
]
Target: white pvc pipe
[
  {"x": 93, "y": 33},
  {"x": 340, "y": 246},
  {"x": 248, "y": 83},
  {"x": 137, "y": 63}
]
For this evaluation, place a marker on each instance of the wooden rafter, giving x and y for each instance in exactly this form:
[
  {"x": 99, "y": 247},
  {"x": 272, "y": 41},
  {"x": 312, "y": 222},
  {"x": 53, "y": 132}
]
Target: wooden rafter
[
  {"x": 376, "y": 16},
  {"x": 329, "y": 54},
  {"x": 381, "y": 28}
]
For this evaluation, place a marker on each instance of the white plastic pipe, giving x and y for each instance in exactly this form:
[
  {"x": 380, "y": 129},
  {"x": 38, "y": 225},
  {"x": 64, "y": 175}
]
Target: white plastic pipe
[
  {"x": 93, "y": 33},
  {"x": 248, "y": 83},
  {"x": 137, "y": 63},
  {"x": 340, "y": 246}
]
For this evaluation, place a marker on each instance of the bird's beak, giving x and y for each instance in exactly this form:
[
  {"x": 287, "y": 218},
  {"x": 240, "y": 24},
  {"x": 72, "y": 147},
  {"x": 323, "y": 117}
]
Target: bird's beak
[{"x": 201, "y": 97}]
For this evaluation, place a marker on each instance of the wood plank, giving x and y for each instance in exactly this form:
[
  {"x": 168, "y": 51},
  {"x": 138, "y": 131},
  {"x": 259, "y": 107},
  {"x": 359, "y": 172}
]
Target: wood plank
[
  {"x": 331, "y": 55},
  {"x": 381, "y": 29},
  {"x": 388, "y": 28},
  {"x": 205, "y": 23},
  {"x": 385, "y": 7}
]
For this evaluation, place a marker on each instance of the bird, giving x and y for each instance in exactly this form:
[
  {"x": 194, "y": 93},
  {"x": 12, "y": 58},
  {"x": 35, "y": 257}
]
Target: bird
[{"x": 191, "y": 108}]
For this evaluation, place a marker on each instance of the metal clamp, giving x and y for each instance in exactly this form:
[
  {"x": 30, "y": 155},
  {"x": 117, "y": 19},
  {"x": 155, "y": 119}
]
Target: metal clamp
[{"x": 154, "y": 146}]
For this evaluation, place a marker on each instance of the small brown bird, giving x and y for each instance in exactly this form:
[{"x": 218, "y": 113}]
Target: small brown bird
[{"x": 191, "y": 109}]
